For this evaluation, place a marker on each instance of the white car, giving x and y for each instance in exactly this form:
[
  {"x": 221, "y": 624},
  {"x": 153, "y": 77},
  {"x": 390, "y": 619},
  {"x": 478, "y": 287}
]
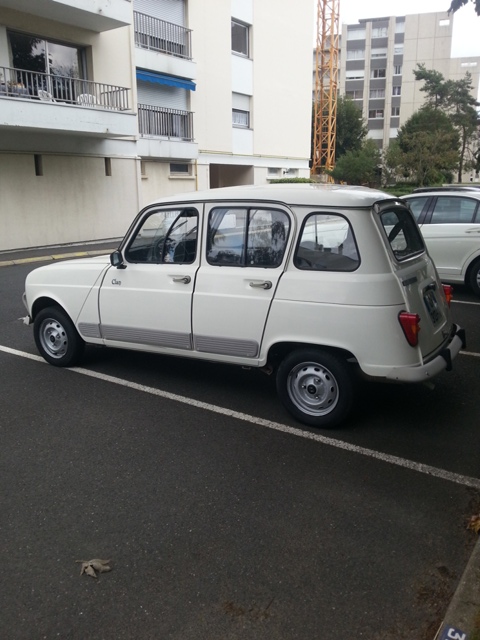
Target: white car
[
  {"x": 450, "y": 223},
  {"x": 313, "y": 282}
]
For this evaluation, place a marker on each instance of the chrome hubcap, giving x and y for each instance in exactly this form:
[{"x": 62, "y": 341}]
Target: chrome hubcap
[
  {"x": 312, "y": 388},
  {"x": 53, "y": 338}
]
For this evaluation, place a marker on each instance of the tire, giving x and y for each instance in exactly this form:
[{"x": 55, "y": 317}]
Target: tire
[
  {"x": 474, "y": 278},
  {"x": 56, "y": 337},
  {"x": 316, "y": 387}
]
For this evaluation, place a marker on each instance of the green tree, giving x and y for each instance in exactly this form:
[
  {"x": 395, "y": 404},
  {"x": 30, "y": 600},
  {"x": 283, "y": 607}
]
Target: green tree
[
  {"x": 351, "y": 128},
  {"x": 360, "y": 166},
  {"x": 455, "y": 99},
  {"x": 428, "y": 145},
  {"x": 456, "y": 4}
]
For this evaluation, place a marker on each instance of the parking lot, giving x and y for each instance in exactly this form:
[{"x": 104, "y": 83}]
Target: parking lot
[{"x": 224, "y": 518}]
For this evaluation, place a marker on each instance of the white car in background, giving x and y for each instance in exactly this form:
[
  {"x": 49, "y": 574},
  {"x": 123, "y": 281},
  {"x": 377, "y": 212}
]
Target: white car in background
[
  {"x": 450, "y": 223},
  {"x": 312, "y": 282}
]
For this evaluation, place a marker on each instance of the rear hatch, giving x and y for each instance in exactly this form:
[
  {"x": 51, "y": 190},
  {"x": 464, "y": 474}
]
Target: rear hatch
[{"x": 424, "y": 294}]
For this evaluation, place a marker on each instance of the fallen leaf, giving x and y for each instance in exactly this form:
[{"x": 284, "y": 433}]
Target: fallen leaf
[
  {"x": 91, "y": 566},
  {"x": 474, "y": 523}
]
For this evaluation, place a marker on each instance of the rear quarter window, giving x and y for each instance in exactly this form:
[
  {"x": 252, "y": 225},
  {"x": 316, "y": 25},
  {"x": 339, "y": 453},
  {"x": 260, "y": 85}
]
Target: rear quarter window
[
  {"x": 402, "y": 233},
  {"x": 326, "y": 243}
]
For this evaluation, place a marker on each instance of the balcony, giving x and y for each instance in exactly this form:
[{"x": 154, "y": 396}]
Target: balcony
[
  {"x": 95, "y": 15},
  {"x": 163, "y": 46},
  {"x": 79, "y": 106},
  {"x": 166, "y": 133}
]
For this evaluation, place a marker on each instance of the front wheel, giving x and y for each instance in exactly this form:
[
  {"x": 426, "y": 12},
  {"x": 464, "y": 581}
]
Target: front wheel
[
  {"x": 474, "y": 278},
  {"x": 57, "y": 338},
  {"x": 316, "y": 387}
]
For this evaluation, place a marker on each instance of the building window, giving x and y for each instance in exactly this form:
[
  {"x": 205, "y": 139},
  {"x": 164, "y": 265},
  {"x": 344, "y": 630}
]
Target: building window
[
  {"x": 396, "y": 91},
  {"x": 468, "y": 64},
  {"x": 377, "y": 93},
  {"x": 273, "y": 172},
  {"x": 379, "y": 52},
  {"x": 375, "y": 114},
  {"x": 355, "y": 54},
  {"x": 180, "y": 169},
  {"x": 379, "y": 32},
  {"x": 355, "y": 95},
  {"x": 379, "y": 73},
  {"x": 356, "y": 34},
  {"x": 240, "y": 38},
  {"x": 397, "y": 70},
  {"x": 395, "y": 112},
  {"x": 444, "y": 23},
  {"x": 398, "y": 49},
  {"x": 400, "y": 26},
  {"x": 240, "y": 118},
  {"x": 357, "y": 74}
]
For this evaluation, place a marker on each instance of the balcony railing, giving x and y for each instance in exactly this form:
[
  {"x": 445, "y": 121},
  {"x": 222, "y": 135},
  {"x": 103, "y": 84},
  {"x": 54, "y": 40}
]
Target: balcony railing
[
  {"x": 166, "y": 123},
  {"x": 158, "y": 35},
  {"x": 19, "y": 83}
]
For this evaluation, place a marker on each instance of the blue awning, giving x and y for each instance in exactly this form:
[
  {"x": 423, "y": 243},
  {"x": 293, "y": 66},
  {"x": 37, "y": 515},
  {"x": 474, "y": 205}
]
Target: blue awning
[{"x": 160, "y": 78}]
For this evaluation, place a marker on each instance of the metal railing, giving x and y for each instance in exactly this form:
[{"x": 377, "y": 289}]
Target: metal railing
[
  {"x": 158, "y": 35},
  {"x": 166, "y": 123},
  {"x": 19, "y": 83}
]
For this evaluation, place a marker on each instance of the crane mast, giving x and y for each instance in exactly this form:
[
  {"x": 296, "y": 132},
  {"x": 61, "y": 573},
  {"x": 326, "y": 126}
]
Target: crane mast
[{"x": 326, "y": 85}]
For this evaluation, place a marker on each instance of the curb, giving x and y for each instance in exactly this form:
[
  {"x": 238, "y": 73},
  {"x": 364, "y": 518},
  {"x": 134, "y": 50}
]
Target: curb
[
  {"x": 58, "y": 256},
  {"x": 462, "y": 620}
]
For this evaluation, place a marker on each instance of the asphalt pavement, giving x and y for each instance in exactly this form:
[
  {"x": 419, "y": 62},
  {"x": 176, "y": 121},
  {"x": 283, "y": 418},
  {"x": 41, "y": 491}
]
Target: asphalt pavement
[{"x": 462, "y": 618}]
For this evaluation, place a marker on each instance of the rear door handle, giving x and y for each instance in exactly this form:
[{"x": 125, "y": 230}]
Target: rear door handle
[
  {"x": 261, "y": 285},
  {"x": 472, "y": 230},
  {"x": 184, "y": 279}
]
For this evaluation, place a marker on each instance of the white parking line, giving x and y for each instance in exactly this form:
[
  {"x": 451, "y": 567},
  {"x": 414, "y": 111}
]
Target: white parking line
[{"x": 339, "y": 444}]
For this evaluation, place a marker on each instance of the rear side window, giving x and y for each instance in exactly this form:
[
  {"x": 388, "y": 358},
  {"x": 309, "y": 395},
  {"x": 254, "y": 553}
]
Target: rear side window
[
  {"x": 326, "y": 243},
  {"x": 402, "y": 233},
  {"x": 247, "y": 237},
  {"x": 452, "y": 210}
]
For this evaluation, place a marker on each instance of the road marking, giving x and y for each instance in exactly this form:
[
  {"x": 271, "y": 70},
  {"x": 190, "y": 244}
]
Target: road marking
[{"x": 277, "y": 426}]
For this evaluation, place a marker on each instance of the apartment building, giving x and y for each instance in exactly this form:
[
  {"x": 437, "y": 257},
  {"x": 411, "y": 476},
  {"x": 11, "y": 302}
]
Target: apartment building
[
  {"x": 377, "y": 60},
  {"x": 105, "y": 106}
]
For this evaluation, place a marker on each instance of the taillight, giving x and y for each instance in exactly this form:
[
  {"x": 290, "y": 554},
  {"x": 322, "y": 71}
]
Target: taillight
[
  {"x": 448, "y": 291},
  {"x": 410, "y": 323}
]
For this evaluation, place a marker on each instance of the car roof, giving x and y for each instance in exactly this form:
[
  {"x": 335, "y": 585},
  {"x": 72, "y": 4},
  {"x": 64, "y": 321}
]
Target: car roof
[
  {"x": 458, "y": 193},
  {"x": 447, "y": 188},
  {"x": 309, "y": 194}
]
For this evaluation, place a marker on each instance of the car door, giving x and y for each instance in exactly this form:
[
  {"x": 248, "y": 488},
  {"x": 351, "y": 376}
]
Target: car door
[
  {"x": 245, "y": 248},
  {"x": 452, "y": 233},
  {"x": 147, "y": 302}
]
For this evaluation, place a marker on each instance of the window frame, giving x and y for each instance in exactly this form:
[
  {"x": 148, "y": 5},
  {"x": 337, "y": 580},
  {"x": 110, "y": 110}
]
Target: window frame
[{"x": 237, "y": 24}]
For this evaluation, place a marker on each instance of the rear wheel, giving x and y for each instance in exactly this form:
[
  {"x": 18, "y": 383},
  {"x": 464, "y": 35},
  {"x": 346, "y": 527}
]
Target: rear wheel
[
  {"x": 57, "y": 338},
  {"x": 316, "y": 387},
  {"x": 474, "y": 278}
]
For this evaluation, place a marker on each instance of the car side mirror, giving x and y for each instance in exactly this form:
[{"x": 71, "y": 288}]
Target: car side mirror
[{"x": 116, "y": 260}]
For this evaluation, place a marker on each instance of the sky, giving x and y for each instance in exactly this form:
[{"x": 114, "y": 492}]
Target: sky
[{"x": 466, "y": 23}]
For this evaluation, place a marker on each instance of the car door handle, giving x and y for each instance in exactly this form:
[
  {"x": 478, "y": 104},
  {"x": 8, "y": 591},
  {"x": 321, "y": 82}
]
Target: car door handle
[
  {"x": 184, "y": 279},
  {"x": 261, "y": 285},
  {"x": 472, "y": 230}
]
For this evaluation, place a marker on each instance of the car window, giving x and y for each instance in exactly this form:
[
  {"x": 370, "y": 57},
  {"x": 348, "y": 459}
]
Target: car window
[
  {"x": 165, "y": 236},
  {"x": 417, "y": 205},
  {"x": 326, "y": 243},
  {"x": 451, "y": 210},
  {"x": 402, "y": 233},
  {"x": 247, "y": 237}
]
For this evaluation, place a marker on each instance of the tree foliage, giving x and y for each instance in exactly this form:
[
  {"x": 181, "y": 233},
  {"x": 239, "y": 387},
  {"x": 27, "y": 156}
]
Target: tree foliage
[
  {"x": 351, "y": 128},
  {"x": 428, "y": 147},
  {"x": 360, "y": 166},
  {"x": 457, "y": 4},
  {"x": 454, "y": 98}
]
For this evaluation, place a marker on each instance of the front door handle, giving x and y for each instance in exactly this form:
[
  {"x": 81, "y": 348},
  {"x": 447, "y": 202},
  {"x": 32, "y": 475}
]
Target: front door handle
[
  {"x": 184, "y": 279},
  {"x": 261, "y": 285},
  {"x": 472, "y": 230}
]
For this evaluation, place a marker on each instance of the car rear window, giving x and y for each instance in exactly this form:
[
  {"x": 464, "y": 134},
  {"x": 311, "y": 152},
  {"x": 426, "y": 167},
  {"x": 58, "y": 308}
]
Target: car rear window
[
  {"x": 326, "y": 243},
  {"x": 402, "y": 233}
]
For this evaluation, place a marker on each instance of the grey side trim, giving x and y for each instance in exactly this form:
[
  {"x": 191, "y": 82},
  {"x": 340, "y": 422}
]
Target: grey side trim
[
  {"x": 148, "y": 336},
  {"x": 89, "y": 330},
  {"x": 226, "y": 346}
]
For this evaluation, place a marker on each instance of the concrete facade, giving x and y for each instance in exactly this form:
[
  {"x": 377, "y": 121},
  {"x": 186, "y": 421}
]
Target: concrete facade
[{"x": 161, "y": 97}]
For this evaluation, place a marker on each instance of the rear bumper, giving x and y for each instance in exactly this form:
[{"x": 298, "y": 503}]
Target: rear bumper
[{"x": 442, "y": 362}]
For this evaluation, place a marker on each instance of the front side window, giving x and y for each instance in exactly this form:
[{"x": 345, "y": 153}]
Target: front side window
[
  {"x": 165, "y": 237},
  {"x": 402, "y": 233},
  {"x": 448, "y": 210},
  {"x": 240, "y": 38},
  {"x": 326, "y": 243},
  {"x": 247, "y": 237}
]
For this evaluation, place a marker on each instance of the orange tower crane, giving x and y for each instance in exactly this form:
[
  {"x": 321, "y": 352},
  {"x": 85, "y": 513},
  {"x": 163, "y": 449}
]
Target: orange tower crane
[{"x": 326, "y": 85}]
